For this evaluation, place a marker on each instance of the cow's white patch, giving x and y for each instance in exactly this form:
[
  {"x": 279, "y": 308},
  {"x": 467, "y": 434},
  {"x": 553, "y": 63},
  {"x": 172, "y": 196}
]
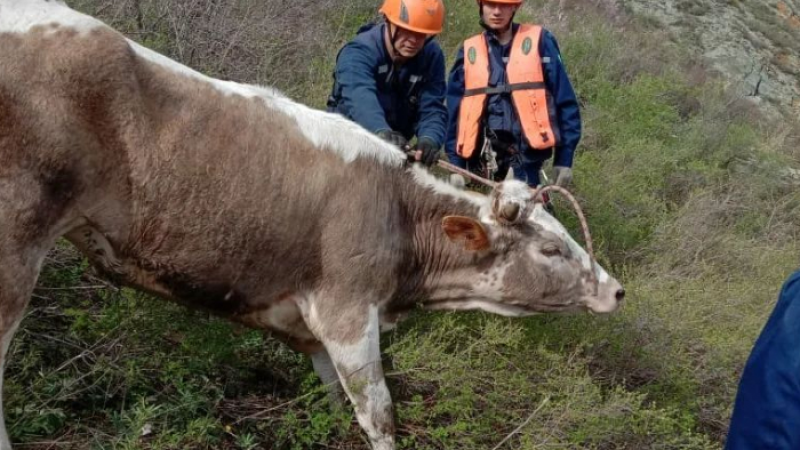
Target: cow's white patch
[
  {"x": 387, "y": 325},
  {"x": 482, "y": 305},
  {"x": 516, "y": 191},
  {"x": 5, "y": 342},
  {"x": 281, "y": 314},
  {"x": 362, "y": 354},
  {"x": 425, "y": 178},
  {"x": 602, "y": 305},
  {"x": 332, "y": 131},
  {"x": 541, "y": 217},
  {"x": 324, "y": 130},
  {"x": 306, "y": 302},
  {"x": 19, "y": 16},
  {"x": 513, "y": 192},
  {"x": 489, "y": 285},
  {"x": 359, "y": 367},
  {"x": 485, "y": 293},
  {"x": 379, "y": 402},
  {"x": 326, "y": 370},
  {"x": 353, "y": 356},
  {"x": 285, "y": 316}
]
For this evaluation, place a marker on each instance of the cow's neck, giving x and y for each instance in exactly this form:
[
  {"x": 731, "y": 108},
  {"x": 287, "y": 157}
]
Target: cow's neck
[{"x": 441, "y": 271}]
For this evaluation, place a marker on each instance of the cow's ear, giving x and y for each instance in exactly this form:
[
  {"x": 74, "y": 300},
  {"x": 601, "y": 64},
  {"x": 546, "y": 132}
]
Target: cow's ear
[{"x": 466, "y": 231}]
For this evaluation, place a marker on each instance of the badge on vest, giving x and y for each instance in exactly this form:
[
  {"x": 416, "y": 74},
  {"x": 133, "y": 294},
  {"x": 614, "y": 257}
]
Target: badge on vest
[
  {"x": 472, "y": 55},
  {"x": 526, "y": 46}
]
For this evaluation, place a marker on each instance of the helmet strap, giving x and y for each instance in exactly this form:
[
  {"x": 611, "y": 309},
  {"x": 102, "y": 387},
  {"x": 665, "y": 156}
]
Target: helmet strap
[{"x": 393, "y": 29}]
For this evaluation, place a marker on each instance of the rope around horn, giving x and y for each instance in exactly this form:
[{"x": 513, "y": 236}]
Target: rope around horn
[{"x": 536, "y": 194}]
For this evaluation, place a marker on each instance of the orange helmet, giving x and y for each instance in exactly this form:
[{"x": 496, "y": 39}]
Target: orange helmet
[{"x": 421, "y": 16}]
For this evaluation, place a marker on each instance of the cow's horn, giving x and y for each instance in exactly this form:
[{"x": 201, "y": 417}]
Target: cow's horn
[
  {"x": 510, "y": 212},
  {"x": 511, "y": 202}
]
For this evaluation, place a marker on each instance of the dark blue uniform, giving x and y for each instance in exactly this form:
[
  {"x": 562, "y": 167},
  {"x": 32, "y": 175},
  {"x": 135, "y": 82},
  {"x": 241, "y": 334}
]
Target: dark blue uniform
[
  {"x": 369, "y": 90},
  {"x": 766, "y": 415},
  {"x": 501, "y": 115}
]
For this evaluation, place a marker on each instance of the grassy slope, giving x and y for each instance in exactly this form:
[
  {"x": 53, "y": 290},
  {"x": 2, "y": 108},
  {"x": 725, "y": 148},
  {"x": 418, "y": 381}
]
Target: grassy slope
[{"x": 685, "y": 193}]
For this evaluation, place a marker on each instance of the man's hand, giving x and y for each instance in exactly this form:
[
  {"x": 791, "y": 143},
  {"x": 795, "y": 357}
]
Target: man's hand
[
  {"x": 563, "y": 176},
  {"x": 427, "y": 151},
  {"x": 393, "y": 137}
]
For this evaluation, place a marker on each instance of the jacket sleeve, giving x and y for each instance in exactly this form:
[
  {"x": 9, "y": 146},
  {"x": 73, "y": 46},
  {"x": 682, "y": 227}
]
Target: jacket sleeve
[
  {"x": 766, "y": 414},
  {"x": 455, "y": 92},
  {"x": 355, "y": 73},
  {"x": 564, "y": 99},
  {"x": 432, "y": 112}
]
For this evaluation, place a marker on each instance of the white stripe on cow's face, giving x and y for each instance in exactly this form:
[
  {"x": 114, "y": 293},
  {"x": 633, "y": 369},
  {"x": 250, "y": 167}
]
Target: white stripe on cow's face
[
  {"x": 542, "y": 218},
  {"x": 324, "y": 130}
]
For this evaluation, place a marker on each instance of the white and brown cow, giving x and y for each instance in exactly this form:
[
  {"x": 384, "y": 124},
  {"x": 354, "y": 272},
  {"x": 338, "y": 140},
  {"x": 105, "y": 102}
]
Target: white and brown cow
[{"x": 187, "y": 187}]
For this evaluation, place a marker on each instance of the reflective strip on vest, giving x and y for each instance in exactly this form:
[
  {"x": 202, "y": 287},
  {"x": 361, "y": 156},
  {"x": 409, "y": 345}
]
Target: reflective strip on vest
[{"x": 525, "y": 83}]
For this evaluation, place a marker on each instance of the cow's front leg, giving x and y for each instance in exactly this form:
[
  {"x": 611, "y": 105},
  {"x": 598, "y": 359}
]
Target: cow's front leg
[
  {"x": 326, "y": 370},
  {"x": 353, "y": 344}
]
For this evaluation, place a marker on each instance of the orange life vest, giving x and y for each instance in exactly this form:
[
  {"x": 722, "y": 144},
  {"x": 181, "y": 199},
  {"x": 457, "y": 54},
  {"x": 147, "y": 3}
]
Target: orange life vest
[{"x": 525, "y": 83}]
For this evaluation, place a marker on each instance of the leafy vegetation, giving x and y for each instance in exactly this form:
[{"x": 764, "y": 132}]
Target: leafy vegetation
[{"x": 689, "y": 194}]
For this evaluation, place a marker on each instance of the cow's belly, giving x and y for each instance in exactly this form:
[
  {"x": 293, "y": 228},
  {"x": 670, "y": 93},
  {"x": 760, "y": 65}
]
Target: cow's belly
[
  {"x": 283, "y": 319},
  {"x": 280, "y": 316},
  {"x": 102, "y": 254}
]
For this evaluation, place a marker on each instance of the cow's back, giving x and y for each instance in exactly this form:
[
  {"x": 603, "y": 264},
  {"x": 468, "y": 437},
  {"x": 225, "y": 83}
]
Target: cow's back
[
  {"x": 227, "y": 191},
  {"x": 209, "y": 192}
]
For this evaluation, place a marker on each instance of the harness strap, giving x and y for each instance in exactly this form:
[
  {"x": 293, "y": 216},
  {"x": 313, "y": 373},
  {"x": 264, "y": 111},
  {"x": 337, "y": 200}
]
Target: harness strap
[{"x": 504, "y": 88}]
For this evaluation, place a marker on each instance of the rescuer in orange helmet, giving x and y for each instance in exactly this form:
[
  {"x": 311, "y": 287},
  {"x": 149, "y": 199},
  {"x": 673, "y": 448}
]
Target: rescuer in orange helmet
[{"x": 390, "y": 79}]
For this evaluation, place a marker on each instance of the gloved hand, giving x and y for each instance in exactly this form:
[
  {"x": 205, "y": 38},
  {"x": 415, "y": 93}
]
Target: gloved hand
[
  {"x": 393, "y": 137},
  {"x": 427, "y": 151},
  {"x": 563, "y": 175}
]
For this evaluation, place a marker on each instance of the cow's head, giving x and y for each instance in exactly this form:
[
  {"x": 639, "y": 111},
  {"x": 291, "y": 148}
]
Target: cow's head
[{"x": 523, "y": 262}]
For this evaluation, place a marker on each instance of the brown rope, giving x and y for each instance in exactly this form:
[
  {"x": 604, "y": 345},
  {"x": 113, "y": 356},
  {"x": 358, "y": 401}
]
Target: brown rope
[
  {"x": 581, "y": 217},
  {"x": 537, "y": 193},
  {"x": 466, "y": 173}
]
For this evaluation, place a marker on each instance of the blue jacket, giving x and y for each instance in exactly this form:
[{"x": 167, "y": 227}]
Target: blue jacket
[
  {"x": 369, "y": 90},
  {"x": 766, "y": 415},
  {"x": 500, "y": 113}
]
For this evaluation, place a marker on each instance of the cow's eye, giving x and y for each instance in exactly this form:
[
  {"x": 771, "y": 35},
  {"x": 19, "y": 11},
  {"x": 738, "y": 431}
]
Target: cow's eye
[{"x": 551, "y": 250}]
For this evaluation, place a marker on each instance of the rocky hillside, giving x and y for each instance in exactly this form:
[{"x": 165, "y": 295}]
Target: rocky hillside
[{"x": 755, "y": 44}]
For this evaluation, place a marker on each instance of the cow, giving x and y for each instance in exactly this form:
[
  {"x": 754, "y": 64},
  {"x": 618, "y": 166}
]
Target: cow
[{"x": 236, "y": 200}]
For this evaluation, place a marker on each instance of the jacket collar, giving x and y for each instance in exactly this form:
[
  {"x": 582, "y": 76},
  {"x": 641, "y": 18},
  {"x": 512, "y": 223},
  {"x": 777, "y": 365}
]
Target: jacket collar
[{"x": 491, "y": 38}]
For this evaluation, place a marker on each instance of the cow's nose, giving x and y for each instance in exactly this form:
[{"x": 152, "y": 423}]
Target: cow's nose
[{"x": 620, "y": 295}]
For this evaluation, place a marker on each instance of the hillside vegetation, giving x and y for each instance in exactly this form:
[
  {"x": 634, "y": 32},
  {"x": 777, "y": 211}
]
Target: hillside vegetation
[{"x": 690, "y": 194}]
